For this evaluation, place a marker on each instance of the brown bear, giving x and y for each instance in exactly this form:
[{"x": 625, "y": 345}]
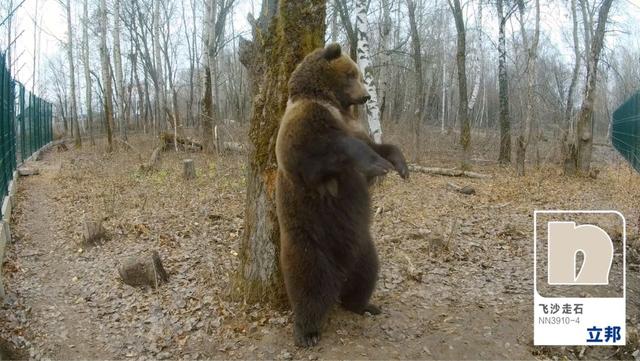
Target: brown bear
[{"x": 322, "y": 198}]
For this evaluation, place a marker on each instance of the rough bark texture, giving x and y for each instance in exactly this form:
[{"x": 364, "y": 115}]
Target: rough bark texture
[
  {"x": 117, "y": 61},
  {"x": 584, "y": 128},
  {"x": 417, "y": 63},
  {"x": 106, "y": 75},
  {"x": 72, "y": 79},
  {"x": 283, "y": 35},
  {"x": 364, "y": 63},
  {"x": 463, "y": 114},
  {"x": 525, "y": 134},
  {"x": 503, "y": 89},
  {"x": 87, "y": 76}
]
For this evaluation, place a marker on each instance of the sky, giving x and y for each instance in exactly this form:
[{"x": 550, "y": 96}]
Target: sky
[{"x": 556, "y": 24}]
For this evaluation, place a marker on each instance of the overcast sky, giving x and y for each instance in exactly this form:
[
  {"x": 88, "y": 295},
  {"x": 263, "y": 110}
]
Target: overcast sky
[{"x": 556, "y": 24}]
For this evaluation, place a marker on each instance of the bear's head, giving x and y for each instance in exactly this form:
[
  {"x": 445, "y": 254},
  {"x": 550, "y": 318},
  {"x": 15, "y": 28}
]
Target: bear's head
[{"x": 329, "y": 75}]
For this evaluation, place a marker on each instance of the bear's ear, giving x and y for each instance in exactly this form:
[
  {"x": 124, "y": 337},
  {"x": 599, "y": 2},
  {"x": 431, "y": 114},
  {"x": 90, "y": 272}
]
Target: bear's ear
[{"x": 332, "y": 51}]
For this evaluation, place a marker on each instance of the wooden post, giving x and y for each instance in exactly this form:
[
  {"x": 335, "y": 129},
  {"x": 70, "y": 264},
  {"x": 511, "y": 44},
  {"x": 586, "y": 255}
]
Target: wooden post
[{"x": 189, "y": 170}]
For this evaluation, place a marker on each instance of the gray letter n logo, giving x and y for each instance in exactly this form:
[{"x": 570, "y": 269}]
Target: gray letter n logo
[{"x": 565, "y": 241}]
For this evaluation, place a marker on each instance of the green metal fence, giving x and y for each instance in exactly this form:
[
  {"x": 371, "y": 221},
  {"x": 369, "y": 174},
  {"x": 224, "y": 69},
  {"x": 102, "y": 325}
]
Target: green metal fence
[
  {"x": 25, "y": 125},
  {"x": 625, "y": 130}
]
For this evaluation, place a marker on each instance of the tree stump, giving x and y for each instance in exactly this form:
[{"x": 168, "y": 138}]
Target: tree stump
[
  {"x": 92, "y": 232},
  {"x": 143, "y": 271},
  {"x": 189, "y": 170}
]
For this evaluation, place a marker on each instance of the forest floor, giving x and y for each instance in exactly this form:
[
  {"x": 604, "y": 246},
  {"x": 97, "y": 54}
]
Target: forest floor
[{"x": 455, "y": 282}]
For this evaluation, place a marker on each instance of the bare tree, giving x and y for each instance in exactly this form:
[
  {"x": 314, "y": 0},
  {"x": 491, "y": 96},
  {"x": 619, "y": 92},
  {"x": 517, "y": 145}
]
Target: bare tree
[
  {"x": 106, "y": 75},
  {"x": 525, "y": 133},
  {"x": 417, "y": 64},
  {"x": 463, "y": 114},
  {"x": 86, "y": 65},
  {"x": 584, "y": 126},
  {"x": 72, "y": 77},
  {"x": 271, "y": 58},
  {"x": 117, "y": 61}
]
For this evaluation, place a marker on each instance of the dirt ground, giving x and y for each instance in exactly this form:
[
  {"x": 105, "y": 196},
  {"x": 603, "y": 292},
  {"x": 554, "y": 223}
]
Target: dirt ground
[{"x": 455, "y": 283}]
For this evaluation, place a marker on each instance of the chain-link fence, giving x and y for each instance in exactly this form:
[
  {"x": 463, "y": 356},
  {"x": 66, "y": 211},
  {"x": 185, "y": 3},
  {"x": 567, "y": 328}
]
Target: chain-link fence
[
  {"x": 25, "y": 125},
  {"x": 625, "y": 130}
]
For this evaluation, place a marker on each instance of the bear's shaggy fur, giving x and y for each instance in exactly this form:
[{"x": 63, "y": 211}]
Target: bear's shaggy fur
[{"x": 324, "y": 160}]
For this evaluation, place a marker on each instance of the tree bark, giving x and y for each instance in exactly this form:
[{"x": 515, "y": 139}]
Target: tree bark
[
  {"x": 417, "y": 64},
  {"x": 286, "y": 31},
  {"x": 503, "y": 89},
  {"x": 463, "y": 114},
  {"x": 525, "y": 135},
  {"x": 584, "y": 128},
  {"x": 72, "y": 79},
  {"x": 106, "y": 75},
  {"x": 364, "y": 63},
  {"x": 117, "y": 61},
  {"x": 87, "y": 75}
]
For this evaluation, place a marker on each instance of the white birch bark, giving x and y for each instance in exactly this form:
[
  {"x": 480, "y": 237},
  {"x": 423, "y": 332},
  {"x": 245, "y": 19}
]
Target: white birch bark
[
  {"x": 364, "y": 63},
  {"x": 117, "y": 61}
]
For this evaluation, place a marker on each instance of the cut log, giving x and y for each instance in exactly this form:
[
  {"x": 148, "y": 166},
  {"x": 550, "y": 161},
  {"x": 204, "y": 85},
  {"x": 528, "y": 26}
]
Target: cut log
[
  {"x": 189, "y": 169},
  {"x": 233, "y": 147},
  {"x": 468, "y": 190},
  {"x": 451, "y": 172},
  {"x": 170, "y": 141},
  {"x": 26, "y": 171},
  {"x": 92, "y": 232},
  {"x": 143, "y": 271}
]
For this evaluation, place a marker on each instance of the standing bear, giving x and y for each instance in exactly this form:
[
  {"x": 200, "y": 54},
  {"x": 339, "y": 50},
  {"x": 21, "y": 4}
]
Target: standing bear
[{"x": 325, "y": 159}]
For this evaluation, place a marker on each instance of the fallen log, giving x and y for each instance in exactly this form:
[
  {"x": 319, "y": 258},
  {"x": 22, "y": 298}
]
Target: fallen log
[
  {"x": 26, "y": 171},
  {"x": 143, "y": 271},
  {"x": 233, "y": 147},
  {"x": 451, "y": 172},
  {"x": 170, "y": 141},
  {"x": 468, "y": 190}
]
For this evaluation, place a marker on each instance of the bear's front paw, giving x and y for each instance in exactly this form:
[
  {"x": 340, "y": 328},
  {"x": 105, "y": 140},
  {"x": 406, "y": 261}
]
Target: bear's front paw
[
  {"x": 372, "y": 309},
  {"x": 307, "y": 339}
]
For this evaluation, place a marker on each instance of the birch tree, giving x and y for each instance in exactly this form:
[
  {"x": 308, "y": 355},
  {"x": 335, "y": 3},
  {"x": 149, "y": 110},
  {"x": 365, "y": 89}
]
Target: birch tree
[
  {"x": 117, "y": 62},
  {"x": 364, "y": 63}
]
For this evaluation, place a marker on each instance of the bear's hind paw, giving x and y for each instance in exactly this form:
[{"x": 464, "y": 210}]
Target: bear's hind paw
[{"x": 308, "y": 339}]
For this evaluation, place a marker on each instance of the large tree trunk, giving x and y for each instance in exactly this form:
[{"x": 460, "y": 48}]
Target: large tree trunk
[
  {"x": 463, "y": 114},
  {"x": 87, "y": 75},
  {"x": 288, "y": 31},
  {"x": 584, "y": 128},
  {"x": 72, "y": 79},
  {"x": 364, "y": 63},
  {"x": 417, "y": 64},
  {"x": 503, "y": 89},
  {"x": 106, "y": 75},
  {"x": 525, "y": 134},
  {"x": 210, "y": 71}
]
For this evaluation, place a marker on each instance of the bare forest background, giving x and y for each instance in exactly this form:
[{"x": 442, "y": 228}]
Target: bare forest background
[{"x": 147, "y": 66}]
